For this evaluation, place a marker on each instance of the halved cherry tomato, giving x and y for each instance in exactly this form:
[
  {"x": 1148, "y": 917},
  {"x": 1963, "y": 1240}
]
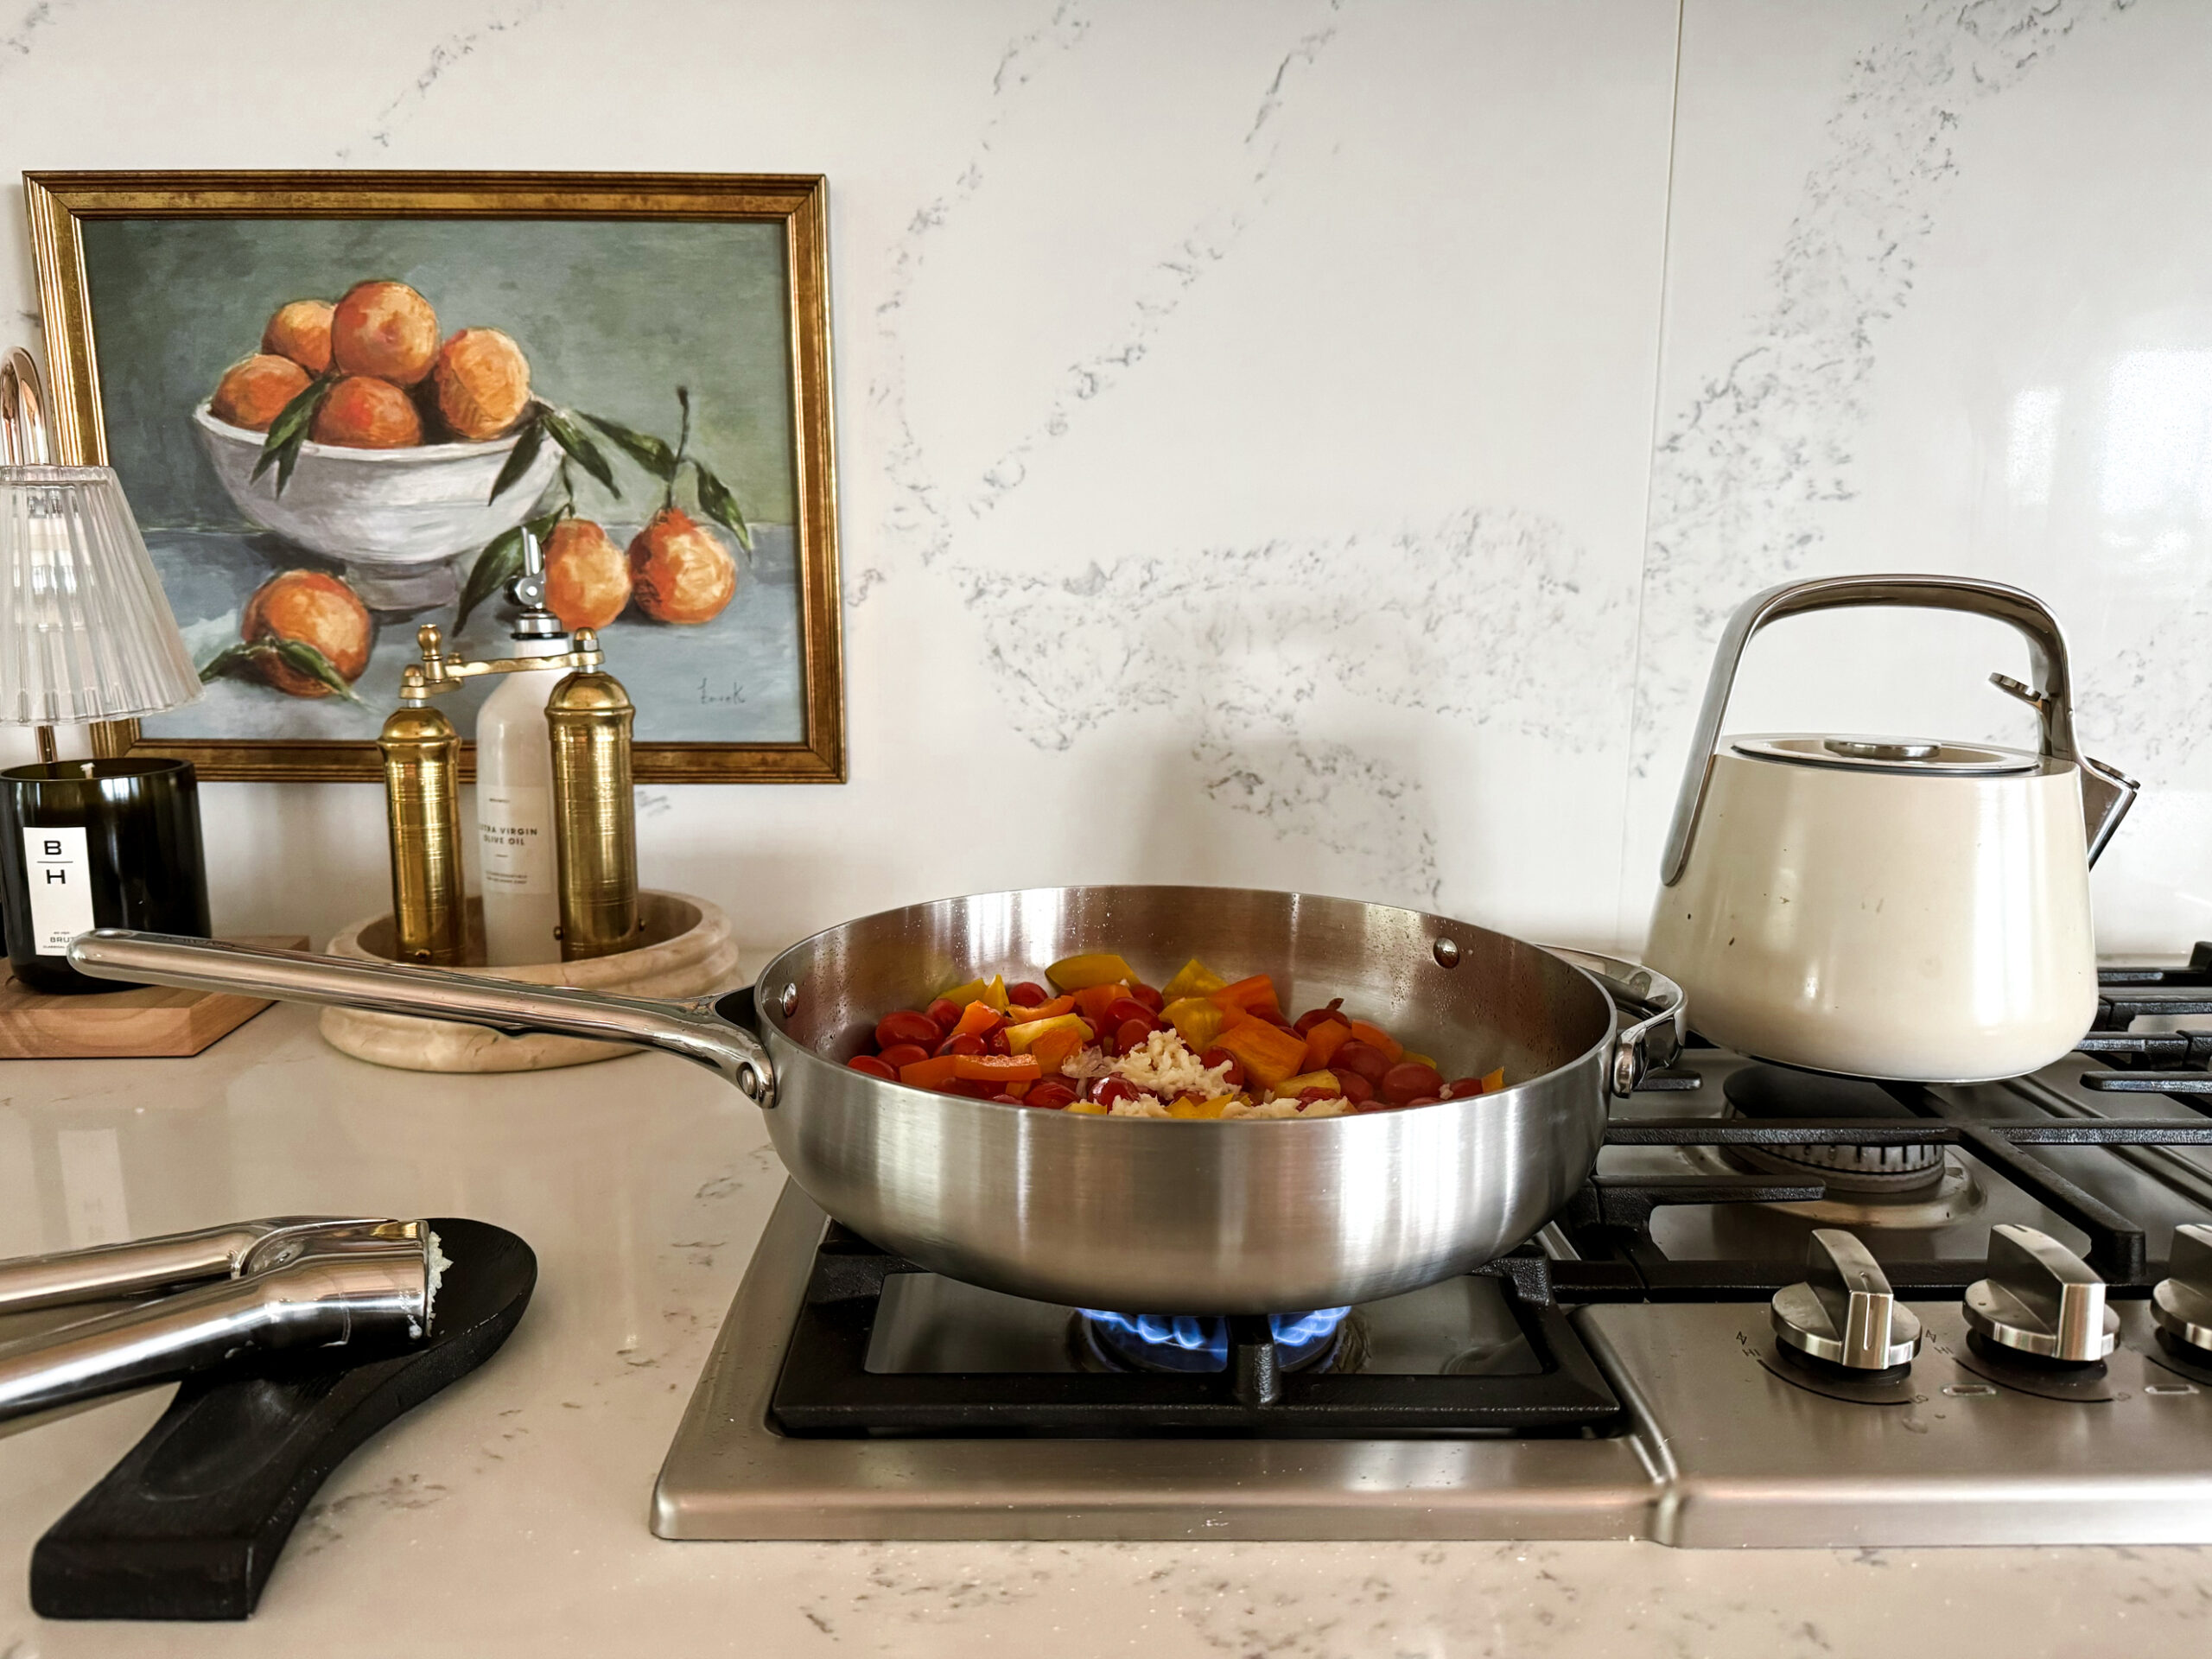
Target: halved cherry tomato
[
  {"x": 1461, "y": 1087},
  {"x": 1052, "y": 1093},
  {"x": 905, "y": 1026},
  {"x": 1313, "y": 1017},
  {"x": 1235, "y": 1076},
  {"x": 1425, "y": 1100},
  {"x": 1364, "y": 1058},
  {"x": 1114, "y": 1089},
  {"x": 1410, "y": 1080},
  {"x": 1026, "y": 992},
  {"x": 961, "y": 1042},
  {"x": 1357, "y": 1089},
  {"x": 1127, "y": 1007},
  {"x": 1307, "y": 1096},
  {"x": 874, "y": 1066},
  {"x": 1150, "y": 998},
  {"x": 995, "y": 1042},
  {"x": 1007, "y": 1100},
  {"x": 1375, "y": 1037},
  {"x": 945, "y": 1013},
  {"x": 900, "y": 1054}
]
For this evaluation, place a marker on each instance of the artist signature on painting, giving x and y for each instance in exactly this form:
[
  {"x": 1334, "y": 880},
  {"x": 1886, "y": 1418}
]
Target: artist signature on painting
[{"x": 711, "y": 698}]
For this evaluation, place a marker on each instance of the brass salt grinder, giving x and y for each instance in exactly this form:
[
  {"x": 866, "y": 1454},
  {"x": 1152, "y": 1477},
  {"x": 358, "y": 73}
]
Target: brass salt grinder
[{"x": 588, "y": 718}]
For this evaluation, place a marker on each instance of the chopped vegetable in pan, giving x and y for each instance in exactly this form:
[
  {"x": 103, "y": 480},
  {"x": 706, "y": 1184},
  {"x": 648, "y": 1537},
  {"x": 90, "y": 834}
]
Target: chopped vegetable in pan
[{"x": 1108, "y": 1045}]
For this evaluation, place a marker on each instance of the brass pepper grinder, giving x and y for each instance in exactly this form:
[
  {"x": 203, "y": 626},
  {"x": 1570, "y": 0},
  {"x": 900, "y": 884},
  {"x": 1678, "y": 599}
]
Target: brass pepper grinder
[
  {"x": 594, "y": 813},
  {"x": 421, "y": 778},
  {"x": 596, "y": 828}
]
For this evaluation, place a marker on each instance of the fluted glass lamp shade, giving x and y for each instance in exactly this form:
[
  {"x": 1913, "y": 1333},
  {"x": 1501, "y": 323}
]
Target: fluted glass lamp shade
[{"x": 86, "y": 632}]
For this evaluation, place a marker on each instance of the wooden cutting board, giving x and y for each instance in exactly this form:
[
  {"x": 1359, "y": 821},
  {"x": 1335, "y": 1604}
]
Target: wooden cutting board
[{"x": 154, "y": 1022}]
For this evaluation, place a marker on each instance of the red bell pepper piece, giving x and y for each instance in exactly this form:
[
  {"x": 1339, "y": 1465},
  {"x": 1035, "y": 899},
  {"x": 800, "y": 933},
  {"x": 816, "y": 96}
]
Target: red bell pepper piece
[
  {"x": 977, "y": 1019},
  {"x": 997, "y": 1068}
]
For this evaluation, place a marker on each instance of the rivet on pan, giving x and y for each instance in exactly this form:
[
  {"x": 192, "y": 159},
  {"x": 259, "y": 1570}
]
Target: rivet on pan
[
  {"x": 1447, "y": 953},
  {"x": 788, "y": 1000}
]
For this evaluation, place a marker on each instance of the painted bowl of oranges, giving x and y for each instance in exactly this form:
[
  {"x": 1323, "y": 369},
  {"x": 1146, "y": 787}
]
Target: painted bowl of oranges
[{"x": 393, "y": 474}]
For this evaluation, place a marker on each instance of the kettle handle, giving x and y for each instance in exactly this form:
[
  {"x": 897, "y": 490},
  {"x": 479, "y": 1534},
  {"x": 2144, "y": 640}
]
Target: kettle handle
[{"x": 2106, "y": 794}]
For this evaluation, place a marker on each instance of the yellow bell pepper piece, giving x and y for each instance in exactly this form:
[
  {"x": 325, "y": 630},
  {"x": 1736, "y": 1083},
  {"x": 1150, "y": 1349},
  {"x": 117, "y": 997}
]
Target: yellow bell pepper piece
[
  {"x": 1019, "y": 1038},
  {"x": 1193, "y": 978},
  {"x": 993, "y": 995},
  {"x": 1196, "y": 1021},
  {"x": 961, "y": 995},
  {"x": 1087, "y": 1108},
  {"x": 1423, "y": 1059},
  {"x": 1493, "y": 1081},
  {"x": 1081, "y": 973},
  {"x": 1197, "y": 1109},
  {"x": 1290, "y": 1088}
]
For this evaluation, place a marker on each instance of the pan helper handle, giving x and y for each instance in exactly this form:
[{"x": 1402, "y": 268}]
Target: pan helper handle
[
  {"x": 1649, "y": 1043},
  {"x": 690, "y": 1028}
]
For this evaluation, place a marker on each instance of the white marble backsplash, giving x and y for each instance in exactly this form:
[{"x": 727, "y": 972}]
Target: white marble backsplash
[{"x": 1315, "y": 443}]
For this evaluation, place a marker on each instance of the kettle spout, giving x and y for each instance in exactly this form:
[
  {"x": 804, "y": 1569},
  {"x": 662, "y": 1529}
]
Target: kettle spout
[{"x": 2106, "y": 793}]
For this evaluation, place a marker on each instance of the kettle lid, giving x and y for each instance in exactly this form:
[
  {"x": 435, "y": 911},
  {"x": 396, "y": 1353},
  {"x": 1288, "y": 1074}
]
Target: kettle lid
[{"x": 1911, "y": 755}]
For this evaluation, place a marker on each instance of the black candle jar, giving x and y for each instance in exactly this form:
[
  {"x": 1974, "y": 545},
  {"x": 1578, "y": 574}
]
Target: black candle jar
[{"x": 97, "y": 843}]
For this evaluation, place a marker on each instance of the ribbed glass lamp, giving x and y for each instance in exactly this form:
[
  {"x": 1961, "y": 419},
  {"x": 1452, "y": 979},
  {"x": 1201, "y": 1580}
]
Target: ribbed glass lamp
[
  {"x": 86, "y": 635},
  {"x": 86, "y": 632}
]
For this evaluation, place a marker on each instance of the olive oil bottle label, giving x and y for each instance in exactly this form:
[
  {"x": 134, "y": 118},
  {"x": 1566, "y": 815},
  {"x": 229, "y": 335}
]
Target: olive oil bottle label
[
  {"x": 518, "y": 841},
  {"x": 61, "y": 887}
]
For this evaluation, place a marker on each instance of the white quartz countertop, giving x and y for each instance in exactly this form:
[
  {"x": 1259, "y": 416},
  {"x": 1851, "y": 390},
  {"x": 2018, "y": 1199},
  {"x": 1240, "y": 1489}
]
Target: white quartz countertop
[{"x": 507, "y": 1515}]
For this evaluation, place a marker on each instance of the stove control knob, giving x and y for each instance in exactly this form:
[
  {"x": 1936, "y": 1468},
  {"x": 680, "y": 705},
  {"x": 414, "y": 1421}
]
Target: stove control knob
[
  {"x": 2040, "y": 1299},
  {"x": 1843, "y": 1312},
  {"x": 2181, "y": 1303}
]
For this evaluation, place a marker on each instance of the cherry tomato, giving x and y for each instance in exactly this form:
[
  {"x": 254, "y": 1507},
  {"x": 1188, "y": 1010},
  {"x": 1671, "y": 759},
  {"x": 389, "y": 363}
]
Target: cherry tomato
[
  {"x": 874, "y": 1067},
  {"x": 1425, "y": 1100},
  {"x": 1052, "y": 1093},
  {"x": 1461, "y": 1087},
  {"x": 1378, "y": 1105},
  {"x": 1368, "y": 1061},
  {"x": 973, "y": 1088},
  {"x": 966, "y": 1043},
  {"x": 1125, "y": 1007},
  {"x": 1313, "y": 1017},
  {"x": 1354, "y": 1088},
  {"x": 995, "y": 1041},
  {"x": 1409, "y": 1081},
  {"x": 1131, "y": 1033},
  {"x": 1114, "y": 1089},
  {"x": 945, "y": 1014},
  {"x": 1028, "y": 994},
  {"x": 1152, "y": 999},
  {"x": 900, "y": 1054},
  {"x": 1235, "y": 1076},
  {"x": 905, "y": 1026},
  {"x": 1307, "y": 1096},
  {"x": 1007, "y": 1100}
]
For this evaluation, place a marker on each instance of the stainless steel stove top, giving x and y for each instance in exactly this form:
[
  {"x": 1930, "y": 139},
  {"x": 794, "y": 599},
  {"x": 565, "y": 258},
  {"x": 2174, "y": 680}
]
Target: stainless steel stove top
[{"x": 1708, "y": 1434}]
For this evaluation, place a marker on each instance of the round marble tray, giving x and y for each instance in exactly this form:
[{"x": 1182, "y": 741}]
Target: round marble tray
[{"x": 687, "y": 951}]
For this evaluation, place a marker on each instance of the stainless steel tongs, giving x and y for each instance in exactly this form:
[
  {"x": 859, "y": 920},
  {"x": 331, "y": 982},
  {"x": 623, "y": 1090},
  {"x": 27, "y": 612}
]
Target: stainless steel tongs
[{"x": 286, "y": 1281}]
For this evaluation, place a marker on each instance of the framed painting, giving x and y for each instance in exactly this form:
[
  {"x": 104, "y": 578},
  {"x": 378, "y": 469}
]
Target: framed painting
[{"x": 336, "y": 400}]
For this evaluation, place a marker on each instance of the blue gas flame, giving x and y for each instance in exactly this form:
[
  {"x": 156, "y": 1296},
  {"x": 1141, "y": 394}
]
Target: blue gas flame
[{"x": 1196, "y": 1335}]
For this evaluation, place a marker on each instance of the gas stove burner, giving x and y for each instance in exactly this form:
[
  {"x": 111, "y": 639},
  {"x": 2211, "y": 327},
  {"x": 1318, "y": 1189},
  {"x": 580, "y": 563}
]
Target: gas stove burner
[
  {"x": 1190, "y": 1342},
  {"x": 1773, "y": 1091}
]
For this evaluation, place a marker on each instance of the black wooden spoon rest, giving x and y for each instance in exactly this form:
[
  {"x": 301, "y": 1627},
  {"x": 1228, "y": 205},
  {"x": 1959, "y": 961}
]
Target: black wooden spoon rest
[{"x": 190, "y": 1523}]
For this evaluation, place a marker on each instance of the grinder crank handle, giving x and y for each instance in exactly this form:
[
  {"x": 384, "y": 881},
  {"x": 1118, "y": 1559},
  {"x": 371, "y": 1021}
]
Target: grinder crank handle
[{"x": 690, "y": 1028}]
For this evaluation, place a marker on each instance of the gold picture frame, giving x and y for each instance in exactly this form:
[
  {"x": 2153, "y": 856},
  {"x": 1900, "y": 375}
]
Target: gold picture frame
[{"x": 62, "y": 206}]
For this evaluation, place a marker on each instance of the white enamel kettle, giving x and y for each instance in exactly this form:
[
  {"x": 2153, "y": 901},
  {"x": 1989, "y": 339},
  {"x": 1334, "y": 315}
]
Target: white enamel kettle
[{"x": 1886, "y": 908}]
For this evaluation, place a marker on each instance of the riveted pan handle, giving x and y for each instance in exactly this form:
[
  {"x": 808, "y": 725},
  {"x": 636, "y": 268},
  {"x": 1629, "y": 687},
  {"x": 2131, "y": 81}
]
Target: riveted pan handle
[
  {"x": 2106, "y": 794},
  {"x": 1651, "y": 1042},
  {"x": 689, "y": 1028}
]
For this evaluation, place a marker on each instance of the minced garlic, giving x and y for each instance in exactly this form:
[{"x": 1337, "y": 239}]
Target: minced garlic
[{"x": 1166, "y": 1066}]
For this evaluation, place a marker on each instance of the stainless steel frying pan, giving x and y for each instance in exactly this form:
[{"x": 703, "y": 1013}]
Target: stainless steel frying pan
[{"x": 1134, "y": 1214}]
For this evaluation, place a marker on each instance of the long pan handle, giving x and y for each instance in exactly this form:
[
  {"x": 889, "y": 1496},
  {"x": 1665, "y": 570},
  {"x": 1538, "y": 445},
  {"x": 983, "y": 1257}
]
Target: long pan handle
[{"x": 691, "y": 1029}]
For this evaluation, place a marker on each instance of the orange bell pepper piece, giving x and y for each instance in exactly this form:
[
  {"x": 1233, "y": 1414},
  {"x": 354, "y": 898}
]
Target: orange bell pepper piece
[
  {"x": 1258, "y": 991},
  {"x": 933, "y": 1073},
  {"x": 1269, "y": 1052},
  {"x": 1375, "y": 1037},
  {"x": 1093, "y": 1001},
  {"x": 1052, "y": 1048},
  {"x": 977, "y": 1019},
  {"x": 1323, "y": 1042},
  {"x": 1021, "y": 1016},
  {"x": 1493, "y": 1081},
  {"x": 997, "y": 1068}
]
